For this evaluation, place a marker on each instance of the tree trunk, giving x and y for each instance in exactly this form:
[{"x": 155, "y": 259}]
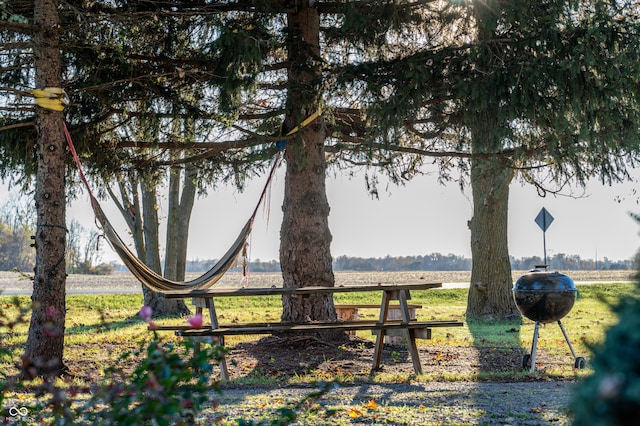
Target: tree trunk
[
  {"x": 187, "y": 201},
  {"x": 490, "y": 291},
  {"x": 159, "y": 304},
  {"x": 180, "y": 208},
  {"x": 305, "y": 238},
  {"x": 173, "y": 215},
  {"x": 45, "y": 341}
]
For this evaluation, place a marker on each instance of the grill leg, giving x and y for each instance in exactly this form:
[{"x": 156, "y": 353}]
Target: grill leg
[
  {"x": 534, "y": 346},
  {"x": 566, "y": 337}
]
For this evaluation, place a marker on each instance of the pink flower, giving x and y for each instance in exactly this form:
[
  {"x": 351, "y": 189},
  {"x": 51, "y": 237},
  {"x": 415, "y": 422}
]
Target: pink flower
[
  {"x": 51, "y": 312},
  {"x": 50, "y": 331},
  {"x": 195, "y": 321},
  {"x": 145, "y": 313},
  {"x": 152, "y": 325}
]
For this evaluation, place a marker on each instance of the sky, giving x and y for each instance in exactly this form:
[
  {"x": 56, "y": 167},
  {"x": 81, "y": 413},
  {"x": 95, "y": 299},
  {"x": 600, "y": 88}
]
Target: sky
[{"x": 420, "y": 218}]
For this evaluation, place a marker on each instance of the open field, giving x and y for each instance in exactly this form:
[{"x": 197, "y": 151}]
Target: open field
[
  {"x": 473, "y": 374},
  {"x": 15, "y": 283}
]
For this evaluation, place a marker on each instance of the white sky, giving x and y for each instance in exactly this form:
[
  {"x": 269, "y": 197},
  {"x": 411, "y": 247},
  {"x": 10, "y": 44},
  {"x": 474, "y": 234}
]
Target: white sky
[{"x": 420, "y": 218}]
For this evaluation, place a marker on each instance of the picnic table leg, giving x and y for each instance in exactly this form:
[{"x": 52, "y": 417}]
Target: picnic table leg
[
  {"x": 413, "y": 350},
  {"x": 384, "y": 309},
  {"x": 403, "y": 297},
  {"x": 213, "y": 316},
  {"x": 196, "y": 345},
  {"x": 410, "y": 333}
]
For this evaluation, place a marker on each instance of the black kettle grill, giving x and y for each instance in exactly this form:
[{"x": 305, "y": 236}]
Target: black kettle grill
[{"x": 545, "y": 297}]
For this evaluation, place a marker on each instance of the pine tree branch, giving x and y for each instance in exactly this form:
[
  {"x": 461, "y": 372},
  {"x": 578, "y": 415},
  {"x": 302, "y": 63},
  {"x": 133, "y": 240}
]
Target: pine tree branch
[
  {"x": 17, "y": 27},
  {"x": 17, "y": 126}
]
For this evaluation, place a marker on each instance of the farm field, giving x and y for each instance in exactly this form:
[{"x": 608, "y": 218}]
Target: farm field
[{"x": 17, "y": 283}]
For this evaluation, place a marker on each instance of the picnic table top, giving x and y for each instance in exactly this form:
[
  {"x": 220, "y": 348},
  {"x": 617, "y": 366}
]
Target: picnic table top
[{"x": 267, "y": 291}]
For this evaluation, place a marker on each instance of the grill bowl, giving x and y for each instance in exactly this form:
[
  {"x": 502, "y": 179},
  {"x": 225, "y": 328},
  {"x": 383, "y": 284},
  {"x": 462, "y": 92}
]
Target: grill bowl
[{"x": 544, "y": 296}]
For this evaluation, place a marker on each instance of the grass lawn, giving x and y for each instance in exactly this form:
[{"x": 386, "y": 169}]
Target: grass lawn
[{"x": 100, "y": 328}]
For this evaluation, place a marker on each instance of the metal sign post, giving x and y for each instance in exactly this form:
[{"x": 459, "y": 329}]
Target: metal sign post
[{"x": 543, "y": 220}]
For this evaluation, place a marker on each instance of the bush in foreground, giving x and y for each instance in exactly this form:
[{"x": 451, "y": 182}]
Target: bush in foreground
[
  {"x": 170, "y": 385},
  {"x": 611, "y": 395}
]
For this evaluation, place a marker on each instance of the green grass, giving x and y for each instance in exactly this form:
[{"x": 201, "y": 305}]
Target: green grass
[{"x": 100, "y": 327}]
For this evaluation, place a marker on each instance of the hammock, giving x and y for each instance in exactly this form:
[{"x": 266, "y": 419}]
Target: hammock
[{"x": 141, "y": 271}]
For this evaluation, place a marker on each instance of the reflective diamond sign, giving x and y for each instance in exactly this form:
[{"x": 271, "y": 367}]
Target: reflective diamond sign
[{"x": 544, "y": 219}]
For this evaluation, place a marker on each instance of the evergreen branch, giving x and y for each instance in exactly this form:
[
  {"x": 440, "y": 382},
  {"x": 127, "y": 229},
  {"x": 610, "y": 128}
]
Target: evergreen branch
[
  {"x": 21, "y": 68},
  {"x": 507, "y": 153},
  {"x": 364, "y": 5},
  {"x": 201, "y": 63},
  {"x": 17, "y": 27},
  {"x": 24, "y": 108},
  {"x": 16, "y": 45},
  {"x": 219, "y": 146},
  {"x": 17, "y": 126},
  {"x": 16, "y": 91},
  {"x": 210, "y": 153}
]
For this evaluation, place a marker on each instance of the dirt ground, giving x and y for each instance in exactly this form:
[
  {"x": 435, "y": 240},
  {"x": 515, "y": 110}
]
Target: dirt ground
[{"x": 282, "y": 357}]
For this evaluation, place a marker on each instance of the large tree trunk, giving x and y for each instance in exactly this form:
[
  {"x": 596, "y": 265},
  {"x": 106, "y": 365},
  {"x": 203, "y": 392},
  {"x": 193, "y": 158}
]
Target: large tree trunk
[
  {"x": 491, "y": 283},
  {"x": 305, "y": 239},
  {"x": 45, "y": 341}
]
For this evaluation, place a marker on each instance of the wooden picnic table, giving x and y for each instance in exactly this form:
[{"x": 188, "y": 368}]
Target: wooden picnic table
[{"x": 401, "y": 292}]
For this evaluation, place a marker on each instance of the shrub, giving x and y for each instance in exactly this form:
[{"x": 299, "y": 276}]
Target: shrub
[
  {"x": 611, "y": 395},
  {"x": 169, "y": 385},
  {"x": 166, "y": 388}
]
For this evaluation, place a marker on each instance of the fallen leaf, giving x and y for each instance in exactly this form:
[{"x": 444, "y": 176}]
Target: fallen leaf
[
  {"x": 371, "y": 405},
  {"x": 354, "y": 413}
]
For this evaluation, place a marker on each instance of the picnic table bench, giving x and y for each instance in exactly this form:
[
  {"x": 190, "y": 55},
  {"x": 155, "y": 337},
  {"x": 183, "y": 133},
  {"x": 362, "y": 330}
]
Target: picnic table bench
[{"x": 406, "y": 325}]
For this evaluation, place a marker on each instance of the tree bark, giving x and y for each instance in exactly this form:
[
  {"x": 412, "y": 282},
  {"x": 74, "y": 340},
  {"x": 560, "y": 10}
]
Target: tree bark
[
  {"x": 490, "y": 290},
  {"x": 187, "y": 201},
  {"x": 180, "y": 208},
  {"x": 173, "y": 214},
  {"x": 43, "y": 355},
  {"x": 159, "y": 304},
  {"x": 305, "y": 239}
]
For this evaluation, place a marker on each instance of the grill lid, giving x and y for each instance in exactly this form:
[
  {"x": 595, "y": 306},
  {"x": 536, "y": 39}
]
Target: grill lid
[
  {"x": 539, "y": 280},
  {"x": 544, "y": 296}
]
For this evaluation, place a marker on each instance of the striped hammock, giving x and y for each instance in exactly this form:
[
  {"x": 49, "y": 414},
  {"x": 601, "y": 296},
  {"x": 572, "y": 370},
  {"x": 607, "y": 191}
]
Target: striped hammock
[{"x": 147, "y": 276}]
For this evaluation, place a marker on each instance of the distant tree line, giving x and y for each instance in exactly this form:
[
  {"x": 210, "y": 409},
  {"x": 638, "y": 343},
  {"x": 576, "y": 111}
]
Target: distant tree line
[
  {"x": 435, "y": 262},
  {"x": 17, "y": 252},
  {"x": 452, "y": 262},
  {"x": 255, "y": 265},
  {"x": 430, "y": 262}
]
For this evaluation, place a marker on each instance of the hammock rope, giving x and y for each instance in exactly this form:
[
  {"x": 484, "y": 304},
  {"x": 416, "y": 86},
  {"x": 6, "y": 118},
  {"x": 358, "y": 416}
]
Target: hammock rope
[{"x": 140, "y": 270}]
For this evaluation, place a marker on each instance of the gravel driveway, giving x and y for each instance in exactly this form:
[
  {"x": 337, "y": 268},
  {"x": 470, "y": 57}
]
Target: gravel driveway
[{"x": 429, "y": 403}]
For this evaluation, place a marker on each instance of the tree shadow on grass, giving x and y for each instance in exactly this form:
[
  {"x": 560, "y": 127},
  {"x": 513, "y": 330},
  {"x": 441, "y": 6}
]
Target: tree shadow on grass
[
  {"x": 498, "y": 346},
  {"x": 107, "y": 324},
  {"x": 501, "y": 357}
]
